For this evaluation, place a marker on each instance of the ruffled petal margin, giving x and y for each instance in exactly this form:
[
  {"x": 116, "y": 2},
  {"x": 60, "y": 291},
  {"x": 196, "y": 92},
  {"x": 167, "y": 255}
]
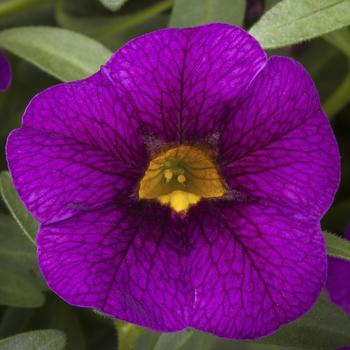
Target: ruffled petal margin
[
  {"x": 181, "y": 84},
  {"x": 122, "y": 261},
  {"x": 237, "y": 271},
  {"x": 254, "y": 269},
  {"x": 74, "y": 152},
  {"x": 58, "y": 177},
  {"x": 280, "y": 146}
]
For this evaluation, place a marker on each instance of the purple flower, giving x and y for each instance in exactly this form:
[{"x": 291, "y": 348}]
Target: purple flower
[
  {"x": 5, "y": 73},
  {"x": 338, "y": 280},
  {"x": 182, "y": 185}
]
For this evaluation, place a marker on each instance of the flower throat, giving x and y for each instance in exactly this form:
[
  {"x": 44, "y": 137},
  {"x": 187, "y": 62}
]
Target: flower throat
[{"x": 180, "y": 177}]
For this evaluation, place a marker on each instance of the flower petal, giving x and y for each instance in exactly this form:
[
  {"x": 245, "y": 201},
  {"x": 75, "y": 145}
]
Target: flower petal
[
  {"x": 87, "y": 111},
  {"x": 121, "y": 261},
  {"x": 255, "y": 268},
  {"x": 5, "y": 73},
  {"x": 57, "y": 177},
  {"x": 180, "y": 82},
  {"x": 280, "y": 146},
  {"x": 338, "y": 280}
]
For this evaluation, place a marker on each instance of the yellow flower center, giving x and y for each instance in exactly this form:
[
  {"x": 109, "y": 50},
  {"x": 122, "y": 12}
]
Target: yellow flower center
[{"x": 180, "y": 177}]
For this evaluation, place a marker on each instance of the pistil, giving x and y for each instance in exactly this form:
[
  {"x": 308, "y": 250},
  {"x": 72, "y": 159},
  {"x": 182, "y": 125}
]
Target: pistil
[{"x": 180, "y": 177}]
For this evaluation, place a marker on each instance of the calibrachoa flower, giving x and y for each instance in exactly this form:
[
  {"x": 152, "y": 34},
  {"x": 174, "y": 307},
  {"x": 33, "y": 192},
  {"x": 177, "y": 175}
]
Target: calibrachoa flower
[
  {"x": 182, "y": 185},
  {"x": 5, "y": 73},
  {"x": 338, "y": 280}
]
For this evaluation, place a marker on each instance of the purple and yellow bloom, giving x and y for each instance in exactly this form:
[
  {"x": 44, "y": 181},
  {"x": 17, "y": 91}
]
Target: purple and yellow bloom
[
  {"x": 5, "y": 73},
  {"x": 182, "y": 185},
  {"x": 338, "y": 280}
]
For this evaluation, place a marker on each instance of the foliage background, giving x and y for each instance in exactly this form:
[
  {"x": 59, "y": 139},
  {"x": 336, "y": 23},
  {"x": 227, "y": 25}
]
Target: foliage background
[{"x": 49, "y": 41}]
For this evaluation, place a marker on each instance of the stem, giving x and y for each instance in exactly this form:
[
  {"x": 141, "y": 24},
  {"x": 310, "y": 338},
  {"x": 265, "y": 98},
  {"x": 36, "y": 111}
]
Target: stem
[
  {"x": 339, "y": 99},
  {"x": 10, "y": 7},
  {"x": 132, "y": 20}
]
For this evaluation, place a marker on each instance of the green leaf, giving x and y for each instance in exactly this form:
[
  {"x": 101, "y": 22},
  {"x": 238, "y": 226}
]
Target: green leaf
[
  {"x": 188, "y": 13},
  {"x": 61, "y": 53},
  {"x": 49, "y": 339},
  {"x": 113, "y": 5},
  {"x": 24, "y": 219},
  {"x": 337, "y": 246},
  {"x": 291, "y": 21}
]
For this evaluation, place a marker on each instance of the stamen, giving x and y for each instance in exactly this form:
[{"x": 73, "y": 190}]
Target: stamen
[
  {"x": 168, "y": 175},
  {"x": 181, "y": 179}
]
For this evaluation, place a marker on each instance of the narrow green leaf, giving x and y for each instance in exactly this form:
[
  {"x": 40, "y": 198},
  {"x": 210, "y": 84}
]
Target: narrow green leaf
[
  {"x": 198, "y": 342},
  {"x": 18, "y": 288},
  {"x": 163, "y": 341},
  {"x": 27, "y": 223},
  {"x": 131, "y": 20},
  {"x": 147, "y": 340},
  {"x": 18, "y": 257},
  {"x": 317, "y": 57},
  {"x": 291, "y": 21},
  {"x": 188, "y": 13},
  {"x": 14, "y": 246},
  {"x": 337, "y": 246},
  {"x": 16, "y": 320},
  {"x": 37, "y": 15},
  {"x": 8, "y": 7},
  {"x": 339, "y": 99},
  {"x": 340, "y": 39},
  {"x": 324, "y": 327},
  {"x": 128, "y": 334},
  {"x": 58, "y": 315},
  {"x": 49, "y": 339},
  {"x": 173, "y": 341},
  {"x": 20, "y": 280},
  {"x": 113, "y": 29},
  {"x": 61, "y": 53},
  {"x": 113, "y": 5}
]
